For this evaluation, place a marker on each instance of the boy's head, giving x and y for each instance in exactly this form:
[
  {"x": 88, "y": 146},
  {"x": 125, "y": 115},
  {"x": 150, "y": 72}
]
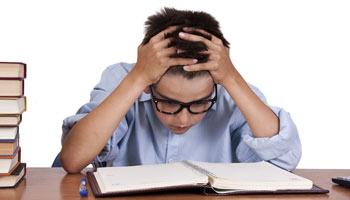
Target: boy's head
[
  {"x": 183, "y": 18},
  {"x": 178, "y": 86}
]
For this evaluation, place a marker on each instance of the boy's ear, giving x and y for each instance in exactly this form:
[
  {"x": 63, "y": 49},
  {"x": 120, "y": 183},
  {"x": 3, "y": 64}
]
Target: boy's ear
[{"x": 146, "y": 90}]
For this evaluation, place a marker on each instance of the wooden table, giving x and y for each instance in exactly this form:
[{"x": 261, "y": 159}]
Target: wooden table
[{"x": 55, "y": 183}]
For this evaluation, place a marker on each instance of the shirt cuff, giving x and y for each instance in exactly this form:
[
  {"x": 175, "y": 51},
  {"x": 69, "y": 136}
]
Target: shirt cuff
[{"x": 277, "y": 145}]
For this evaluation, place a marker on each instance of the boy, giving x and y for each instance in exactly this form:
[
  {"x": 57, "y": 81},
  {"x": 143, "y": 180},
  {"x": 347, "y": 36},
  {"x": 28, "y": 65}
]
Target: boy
[{"x": 182, "y": 100}]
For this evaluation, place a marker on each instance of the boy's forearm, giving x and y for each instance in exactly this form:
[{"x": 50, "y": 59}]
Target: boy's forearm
[
  {"x": 260, "y": 118},
  {"x": 88, "y": 137}
]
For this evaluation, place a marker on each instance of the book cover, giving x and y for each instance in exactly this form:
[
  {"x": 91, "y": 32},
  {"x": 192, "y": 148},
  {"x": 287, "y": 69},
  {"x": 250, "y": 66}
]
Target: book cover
[
  {"x": 12, "y": 180},
  {"x": 208, "y": 191},
  {"x": 96, "y": 190}
]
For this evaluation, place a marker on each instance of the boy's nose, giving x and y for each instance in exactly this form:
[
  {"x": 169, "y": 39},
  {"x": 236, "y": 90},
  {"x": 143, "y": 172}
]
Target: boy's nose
[{"x": 183, "y": 116}]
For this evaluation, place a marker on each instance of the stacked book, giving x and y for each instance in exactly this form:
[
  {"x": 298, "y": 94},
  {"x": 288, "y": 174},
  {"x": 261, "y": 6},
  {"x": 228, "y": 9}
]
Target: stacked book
[{"x": 12, "y": 105}]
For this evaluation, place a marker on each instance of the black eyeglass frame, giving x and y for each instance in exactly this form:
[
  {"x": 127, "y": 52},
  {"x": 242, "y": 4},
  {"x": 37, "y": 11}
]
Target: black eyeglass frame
[{"x": 184, "y": 105}]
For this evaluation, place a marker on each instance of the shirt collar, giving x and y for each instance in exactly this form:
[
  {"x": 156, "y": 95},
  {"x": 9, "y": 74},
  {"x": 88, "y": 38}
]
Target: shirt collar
[{"x": 144, "y": 97}]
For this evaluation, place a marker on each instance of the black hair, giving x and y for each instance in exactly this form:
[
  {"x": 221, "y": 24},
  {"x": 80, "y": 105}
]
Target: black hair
[{"x": 183, "y": 18}]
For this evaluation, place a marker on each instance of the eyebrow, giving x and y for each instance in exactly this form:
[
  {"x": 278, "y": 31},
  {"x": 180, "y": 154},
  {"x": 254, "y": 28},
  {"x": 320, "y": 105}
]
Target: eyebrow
[{"x": 168, "y": 98}]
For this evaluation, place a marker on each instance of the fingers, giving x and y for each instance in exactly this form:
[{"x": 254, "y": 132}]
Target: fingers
[
  {"x": 213, "y": 37},
  {"x": 182, "y": 61},
  {"x": 160, "y": 35},
  {"x": 169, "y": 51},
  {"x": 165, "y": 57},
  {"x": 160, "y": 45},
  {"x": 200, "y": 66},
  {"x": 197, "y": 38},
  {"x": 163, "y": 43},
  {"x": 159, "y": 42}
]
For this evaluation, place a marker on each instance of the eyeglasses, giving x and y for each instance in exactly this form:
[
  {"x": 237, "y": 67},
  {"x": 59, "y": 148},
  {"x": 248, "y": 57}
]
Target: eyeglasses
[{"x": 173, "y": 107}]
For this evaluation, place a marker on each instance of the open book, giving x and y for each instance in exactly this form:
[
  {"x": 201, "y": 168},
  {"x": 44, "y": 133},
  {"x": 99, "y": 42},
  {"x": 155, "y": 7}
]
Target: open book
[{"x": 221, "y": 178}]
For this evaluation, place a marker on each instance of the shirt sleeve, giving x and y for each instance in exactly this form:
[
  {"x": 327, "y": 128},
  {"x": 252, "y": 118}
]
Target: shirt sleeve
[
  {"x": 283, "y": 149},
  {"x": 111, "y": 77}
]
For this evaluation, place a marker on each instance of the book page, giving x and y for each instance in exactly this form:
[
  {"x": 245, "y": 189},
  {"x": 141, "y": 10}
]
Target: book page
[
  {"x": 117, "y": 179},
  {"x": 251, "y": 176},
  {"x": 8, "y": 132}
]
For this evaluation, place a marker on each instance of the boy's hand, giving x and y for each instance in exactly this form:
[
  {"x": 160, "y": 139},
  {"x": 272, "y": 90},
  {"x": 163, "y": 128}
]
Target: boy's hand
[
  {"x": 153, "y": 59},
  {"x": 219, "y": 63}
]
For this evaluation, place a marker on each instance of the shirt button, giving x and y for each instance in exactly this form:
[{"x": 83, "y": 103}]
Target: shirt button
[{"x": 171, "y": 160}]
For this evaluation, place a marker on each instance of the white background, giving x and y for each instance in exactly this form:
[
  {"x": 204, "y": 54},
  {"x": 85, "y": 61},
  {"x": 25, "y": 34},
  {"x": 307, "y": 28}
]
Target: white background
[{"x": 296, "y": 52}]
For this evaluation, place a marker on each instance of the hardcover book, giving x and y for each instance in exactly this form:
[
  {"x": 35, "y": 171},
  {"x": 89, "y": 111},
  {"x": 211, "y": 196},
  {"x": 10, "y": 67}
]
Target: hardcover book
[
  {"x": 8, "y": 134},
  {"x": 212, "y": 178},
  {"x": 10, "y": 120},
  {"x": 13, "y": 70},
  {"x": 14, "y": 178},
  {"x": 11, "y": 88},
  {"x": 8, "y": 163},
  {"x": 13, "y": 106},
  {"x": 9, "y": 146}
]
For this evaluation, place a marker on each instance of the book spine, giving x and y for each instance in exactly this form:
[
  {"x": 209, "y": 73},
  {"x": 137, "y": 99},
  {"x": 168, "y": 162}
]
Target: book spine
[
  {"x": 25, "y": 70},
  {"x": 199, "y": 169}
]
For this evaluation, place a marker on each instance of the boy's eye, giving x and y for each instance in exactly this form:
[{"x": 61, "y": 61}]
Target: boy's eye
[
  {"x": 200, "y": 106},
  {"x": 168, "y": 106}
]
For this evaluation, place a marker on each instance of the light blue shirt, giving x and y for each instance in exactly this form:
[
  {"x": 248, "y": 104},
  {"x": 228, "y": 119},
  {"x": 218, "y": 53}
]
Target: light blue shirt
[{"x": 223, "y": 135}]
